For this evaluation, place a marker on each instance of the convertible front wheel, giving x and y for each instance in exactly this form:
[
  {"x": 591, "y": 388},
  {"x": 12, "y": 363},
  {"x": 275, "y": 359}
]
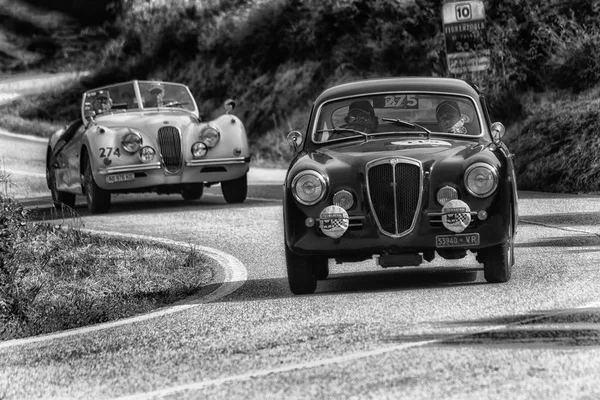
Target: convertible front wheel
[
  {"x": 98, "y": 199},
  {"x": 59, "y": 199},
  {"x": 235, "y": 191},
  {"x": 301, "y": 272}
]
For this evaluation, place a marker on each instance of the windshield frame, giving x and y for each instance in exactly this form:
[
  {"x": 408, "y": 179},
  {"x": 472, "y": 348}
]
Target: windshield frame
[
  {"x": 483, "y": 128},
  {"x": 139, "y": 99}
]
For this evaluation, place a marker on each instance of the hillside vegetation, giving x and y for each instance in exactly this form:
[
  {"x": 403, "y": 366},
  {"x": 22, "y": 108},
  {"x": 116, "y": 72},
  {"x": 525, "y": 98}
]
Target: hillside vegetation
[{"x": 275, "y": 56}]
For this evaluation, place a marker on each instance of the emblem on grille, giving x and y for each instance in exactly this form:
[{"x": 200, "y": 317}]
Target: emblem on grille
[{"x": 394, "y": 161}]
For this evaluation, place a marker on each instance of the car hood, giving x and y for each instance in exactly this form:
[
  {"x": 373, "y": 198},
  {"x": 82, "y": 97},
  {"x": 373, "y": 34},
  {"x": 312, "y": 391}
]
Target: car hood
[
  {"x": 148, "y": 121},
  {"x": 419, "y": 148}
]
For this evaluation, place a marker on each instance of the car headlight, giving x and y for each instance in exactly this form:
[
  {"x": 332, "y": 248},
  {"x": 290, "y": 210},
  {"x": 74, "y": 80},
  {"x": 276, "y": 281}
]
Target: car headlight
[
  {"x": 210, "y": 136},
  {"x": 199, "y": 150},
  {"x": 446, "y": 194},
  {"x": 344, "y": 199},
  {"x": 147, "y": 154},
  {"x": 481, "y": 179},
  {"x": 132, "y": 141},
  {"x": 309, "y": 187}
]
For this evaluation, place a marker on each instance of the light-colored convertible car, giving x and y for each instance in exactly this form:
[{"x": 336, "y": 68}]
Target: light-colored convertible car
[{"x": 146, "y": 136}]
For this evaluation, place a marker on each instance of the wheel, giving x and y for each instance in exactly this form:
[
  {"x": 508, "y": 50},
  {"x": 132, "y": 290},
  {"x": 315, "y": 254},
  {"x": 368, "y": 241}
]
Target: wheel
[
  {"x": 98, "y": 199},
  {"x": 192, "y": 192},
  {"x": 301, "y": 273},
  {"x": 235, "y": 191},
  {"x": 59, "y": 199},
  {"x": 321, "y": 268},
  {"x": 498, "y": 260}
]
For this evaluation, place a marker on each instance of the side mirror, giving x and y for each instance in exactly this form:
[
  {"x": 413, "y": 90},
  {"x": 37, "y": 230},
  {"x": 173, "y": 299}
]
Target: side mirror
[
  {"x": 229, "y": 105},
  {"x": 295, "y": 139},
  {"x": 498, "y": 131}
]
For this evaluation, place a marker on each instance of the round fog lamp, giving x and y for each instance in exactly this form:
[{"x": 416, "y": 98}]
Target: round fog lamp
[
  {"x": 446, "y": 194},
  {"x": 147, "y": 154},
  {"x": 199, "y": 150},
  {"x": 482, "y": 215},
  {"x": 310, "y": 222},
  {"x": 344, "y": 199}
]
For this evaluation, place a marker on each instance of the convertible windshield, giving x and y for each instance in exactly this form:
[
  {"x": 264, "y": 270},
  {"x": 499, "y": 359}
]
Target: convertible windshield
[
  {"x": 402, "y": 113},
  {"x": 149, "y": 95}
]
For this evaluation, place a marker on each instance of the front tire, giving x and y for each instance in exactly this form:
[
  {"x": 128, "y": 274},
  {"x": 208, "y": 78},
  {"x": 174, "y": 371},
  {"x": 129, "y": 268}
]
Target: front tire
[
  {"x": 59, "y": 199},
  {"x": 98, "y": 199},
  {"x": 301, "y": 272},
  {"x": 235, "y": 191},
  {"x": 499, "y": 260}
]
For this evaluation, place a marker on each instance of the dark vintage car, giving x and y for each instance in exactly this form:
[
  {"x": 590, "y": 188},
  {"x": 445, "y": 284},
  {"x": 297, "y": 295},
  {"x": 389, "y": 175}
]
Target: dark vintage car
[
  {"x": 399, "y": 169},
  {"x": 146, "y": 136}
]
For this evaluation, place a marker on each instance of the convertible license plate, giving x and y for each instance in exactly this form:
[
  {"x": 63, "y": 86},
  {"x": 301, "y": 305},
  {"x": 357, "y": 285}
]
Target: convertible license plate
[
  {"x": 458, "y": 240},
  {"x": 129, "y": 176}
]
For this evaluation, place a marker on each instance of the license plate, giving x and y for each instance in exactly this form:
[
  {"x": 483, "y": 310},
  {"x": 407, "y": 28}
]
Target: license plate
[
  {"x": 458, "y": 240},
  {"x": 120, "y": 177}
]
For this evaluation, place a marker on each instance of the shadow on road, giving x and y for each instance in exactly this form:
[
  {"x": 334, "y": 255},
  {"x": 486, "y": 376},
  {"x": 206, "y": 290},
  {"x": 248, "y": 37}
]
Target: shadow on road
[
  {"x": 393, "y": 280},
  {"x": 563, "y": 241}
]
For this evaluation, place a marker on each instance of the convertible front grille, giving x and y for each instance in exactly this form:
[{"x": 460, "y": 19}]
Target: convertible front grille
[
  {"x": 395, "y": 191},
  {"x": 169, "y": 141}
]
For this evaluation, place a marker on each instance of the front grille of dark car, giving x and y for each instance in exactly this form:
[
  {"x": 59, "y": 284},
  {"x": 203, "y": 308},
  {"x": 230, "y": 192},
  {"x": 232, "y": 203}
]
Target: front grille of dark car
[
  {"x": 169, "y": 141},
  {"x": 395, "y": 189}
]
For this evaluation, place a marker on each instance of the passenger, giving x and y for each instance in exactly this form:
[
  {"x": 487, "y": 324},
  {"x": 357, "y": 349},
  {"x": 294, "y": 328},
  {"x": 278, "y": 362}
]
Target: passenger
[{"x": 450, "y": 118}]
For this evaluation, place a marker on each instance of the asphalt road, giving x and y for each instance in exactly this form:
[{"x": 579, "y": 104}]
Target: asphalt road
[{"x": 437, "y": 331}]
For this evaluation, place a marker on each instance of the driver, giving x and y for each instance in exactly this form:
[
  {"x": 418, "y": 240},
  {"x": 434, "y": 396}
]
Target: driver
[
  {"x": 102, "y": 103},
  {"x": 450, "y": 118},
  {"x": 158, "y": 92},
  {"x": 361, "y": 117}
]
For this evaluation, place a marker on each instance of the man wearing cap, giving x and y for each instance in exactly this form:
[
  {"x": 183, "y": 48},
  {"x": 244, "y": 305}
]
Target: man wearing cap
[
  {"x": 157, "y": 91},
  {"x": 361, "y": 117},
  {"x": 102, "y": 103},
  {"x": 449, "y": 117}
]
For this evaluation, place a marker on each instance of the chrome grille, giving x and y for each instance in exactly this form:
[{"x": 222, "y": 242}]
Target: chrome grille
[
  {"x": 395, "y": 190},
  {"x": 169, "y": 141}
]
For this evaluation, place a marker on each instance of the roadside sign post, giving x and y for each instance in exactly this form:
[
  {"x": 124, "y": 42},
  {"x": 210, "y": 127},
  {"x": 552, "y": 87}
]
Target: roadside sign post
[{"x": 464, "y": 30}]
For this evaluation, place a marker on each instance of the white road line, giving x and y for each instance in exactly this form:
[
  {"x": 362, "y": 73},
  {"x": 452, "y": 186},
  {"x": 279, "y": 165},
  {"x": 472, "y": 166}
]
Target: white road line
[
  {"x": 24, "y": 173},
  {"x": 235, "y": 276},
  {"x": 23, "y": 137},
  {"x": 315, "y": 364}
]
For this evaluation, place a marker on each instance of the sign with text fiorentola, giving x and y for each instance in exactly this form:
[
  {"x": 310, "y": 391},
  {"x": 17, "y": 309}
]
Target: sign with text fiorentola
[{"x": 464, "y": 31}]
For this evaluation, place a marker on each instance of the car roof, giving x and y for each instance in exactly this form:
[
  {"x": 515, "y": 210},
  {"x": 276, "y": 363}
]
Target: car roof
[{"x": 397, "y": 84}]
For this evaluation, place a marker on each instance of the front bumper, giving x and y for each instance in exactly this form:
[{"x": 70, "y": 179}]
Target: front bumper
[{"x": 154, "y": 174}]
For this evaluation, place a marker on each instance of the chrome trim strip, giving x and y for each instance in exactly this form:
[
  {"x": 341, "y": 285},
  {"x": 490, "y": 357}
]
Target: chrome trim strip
[
  {"x": 129, "y": 168},
  {"x": 386, "y": 160},
  {"x": 221, "y": 161}
]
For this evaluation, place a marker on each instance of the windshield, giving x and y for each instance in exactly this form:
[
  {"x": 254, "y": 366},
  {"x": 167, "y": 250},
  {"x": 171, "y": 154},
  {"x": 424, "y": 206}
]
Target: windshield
[
  {"x": 402, "y": 113},
  {"x": 122, "y": 97}
]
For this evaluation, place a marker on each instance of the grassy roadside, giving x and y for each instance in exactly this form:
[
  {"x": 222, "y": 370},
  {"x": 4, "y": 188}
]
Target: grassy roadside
[{"x": 54, "y": 276}]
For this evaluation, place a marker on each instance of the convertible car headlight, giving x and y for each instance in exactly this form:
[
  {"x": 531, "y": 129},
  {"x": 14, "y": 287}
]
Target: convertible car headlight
[
  {"x": 147, "y": 154},
  {"x": 199, "y": 150},
  {"x": 481, "y": 179},
  {"x": 132, "y": 141},
  {"x": 309, "y": 187},
  {"x": 210, "y": 136}
]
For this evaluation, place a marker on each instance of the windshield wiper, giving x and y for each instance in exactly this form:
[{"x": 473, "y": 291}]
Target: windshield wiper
[
  {"x": 409, "y": 124},
  {"x": 340, "y": 130}
]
